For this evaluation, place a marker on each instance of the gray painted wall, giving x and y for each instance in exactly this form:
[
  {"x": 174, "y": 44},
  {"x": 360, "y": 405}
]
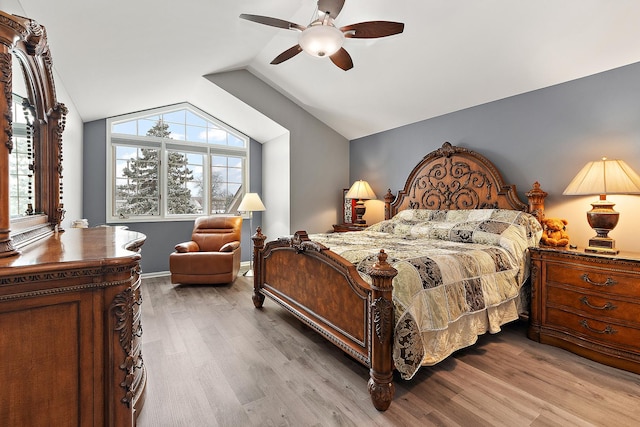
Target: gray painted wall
[
  {"x": 319, "y": 156},
  {"x": 161, "y": 236},
  {"x": 547, "y": 135}
]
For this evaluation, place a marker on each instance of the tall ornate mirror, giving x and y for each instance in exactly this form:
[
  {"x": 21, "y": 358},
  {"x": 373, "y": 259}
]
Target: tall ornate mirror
[{"x": 32, "y": 122}]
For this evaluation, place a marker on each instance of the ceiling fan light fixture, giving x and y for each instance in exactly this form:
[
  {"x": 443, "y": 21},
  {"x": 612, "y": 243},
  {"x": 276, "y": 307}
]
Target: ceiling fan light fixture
[{"x": 321, "y": 40}]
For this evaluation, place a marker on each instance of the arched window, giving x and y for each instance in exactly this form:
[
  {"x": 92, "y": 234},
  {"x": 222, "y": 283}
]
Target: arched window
[{"x": 174, "y": 162}]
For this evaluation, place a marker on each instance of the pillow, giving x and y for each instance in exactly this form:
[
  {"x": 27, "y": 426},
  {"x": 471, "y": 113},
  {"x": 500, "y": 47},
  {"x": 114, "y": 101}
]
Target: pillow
[{"x": 473, "y": 225}]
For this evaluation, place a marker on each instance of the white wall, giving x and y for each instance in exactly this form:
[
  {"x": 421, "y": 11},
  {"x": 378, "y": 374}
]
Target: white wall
[
  {"x": 72, "y": 157},
  {"x": 276, "y": 186}
]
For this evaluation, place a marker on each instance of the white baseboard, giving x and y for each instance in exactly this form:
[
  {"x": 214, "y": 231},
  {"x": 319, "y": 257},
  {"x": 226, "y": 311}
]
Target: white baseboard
[
  {"x": 244, "y": 265},
  {"x": 155, "y": 274}
]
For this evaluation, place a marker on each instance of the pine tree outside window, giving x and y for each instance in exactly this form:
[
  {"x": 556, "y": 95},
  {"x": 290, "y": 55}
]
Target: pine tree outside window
[{"x": 174, "y": 163}]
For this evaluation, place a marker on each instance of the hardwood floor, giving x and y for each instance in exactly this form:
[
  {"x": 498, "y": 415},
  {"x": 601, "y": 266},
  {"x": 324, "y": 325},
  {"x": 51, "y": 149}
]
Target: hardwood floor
[{"x": 215, "y": 360}]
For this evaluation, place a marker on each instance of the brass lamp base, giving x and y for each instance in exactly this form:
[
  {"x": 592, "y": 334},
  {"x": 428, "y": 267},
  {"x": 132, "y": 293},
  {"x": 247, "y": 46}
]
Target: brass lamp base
[
  {"x": 602, "y": 245},
  {"x": 360, "y": 211},
  {"x": 602, "y": 218}
]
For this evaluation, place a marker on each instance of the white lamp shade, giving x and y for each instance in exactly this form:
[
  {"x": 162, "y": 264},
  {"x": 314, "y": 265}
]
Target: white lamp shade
[
  {"x": 604, "y": 177},
  {"x": 251, "y": 203},
  {"x": 360, "y": 190},
  {"x": 321, "y": 40}
]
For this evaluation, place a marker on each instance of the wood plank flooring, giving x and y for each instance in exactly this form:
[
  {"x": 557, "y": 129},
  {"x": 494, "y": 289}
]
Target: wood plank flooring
[{"x": 215, "y": 360}]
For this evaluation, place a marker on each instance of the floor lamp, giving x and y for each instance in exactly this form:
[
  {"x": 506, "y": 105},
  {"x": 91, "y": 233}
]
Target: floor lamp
[{"x": 251, "y": 203}]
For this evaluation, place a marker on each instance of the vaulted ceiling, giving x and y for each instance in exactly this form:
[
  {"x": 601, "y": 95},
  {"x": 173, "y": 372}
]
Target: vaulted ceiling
[{"x": 118, "y": 56}]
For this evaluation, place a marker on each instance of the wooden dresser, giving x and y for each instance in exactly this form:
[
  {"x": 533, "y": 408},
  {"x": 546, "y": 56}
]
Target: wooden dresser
[
  {"x": 588, "y": 304},
  {"x": 70, "y": 331}
]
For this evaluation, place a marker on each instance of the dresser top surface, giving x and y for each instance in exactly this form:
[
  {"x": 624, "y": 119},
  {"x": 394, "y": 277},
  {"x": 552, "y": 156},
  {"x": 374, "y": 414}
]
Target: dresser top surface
[
  {"x": 77, "y": 245},
  {"x": 580, "y": 252}
]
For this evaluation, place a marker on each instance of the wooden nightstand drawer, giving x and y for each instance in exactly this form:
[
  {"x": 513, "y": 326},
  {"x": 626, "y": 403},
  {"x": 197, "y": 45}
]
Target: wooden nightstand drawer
[
  {"x": 596, "y": 279},
  {"x": 600, "y": 306},
  {"x": 596, "y": 330}
]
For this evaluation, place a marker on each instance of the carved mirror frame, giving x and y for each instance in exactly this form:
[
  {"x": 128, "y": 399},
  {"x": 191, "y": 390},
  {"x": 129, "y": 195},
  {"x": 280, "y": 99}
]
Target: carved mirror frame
[{"x": 25, "y": 40}]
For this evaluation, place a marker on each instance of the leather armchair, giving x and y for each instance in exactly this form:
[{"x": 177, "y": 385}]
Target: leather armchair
[{"x": 213, "y": 254}]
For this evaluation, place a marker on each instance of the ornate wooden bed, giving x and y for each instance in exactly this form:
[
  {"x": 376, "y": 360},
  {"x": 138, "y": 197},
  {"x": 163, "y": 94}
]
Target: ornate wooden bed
[{"x": 326, "y": 291}]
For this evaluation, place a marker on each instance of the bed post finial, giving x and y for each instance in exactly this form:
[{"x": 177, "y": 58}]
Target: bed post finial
[
  {"x": 536, "y": 198},
  {"x": 258, "y": 245},
  {"x": 388, "y": 199},
  {"x": 380, "y": 384}
]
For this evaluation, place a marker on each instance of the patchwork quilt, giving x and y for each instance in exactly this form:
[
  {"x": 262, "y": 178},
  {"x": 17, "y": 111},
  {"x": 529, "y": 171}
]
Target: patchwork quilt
[{"x": 460, "y": 274}]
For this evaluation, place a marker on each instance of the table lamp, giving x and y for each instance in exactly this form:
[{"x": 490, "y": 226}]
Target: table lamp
[
  {"x": 360, "y": 191},
  {"x": 603, "y": 177}
]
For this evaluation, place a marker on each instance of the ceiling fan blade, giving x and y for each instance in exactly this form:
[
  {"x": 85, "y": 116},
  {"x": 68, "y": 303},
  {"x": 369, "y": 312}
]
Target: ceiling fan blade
[
  {"x": 332, "y": 6},
  {"x": 287, "y": 54},
  {"x": 272, "y": 22},
  {"x": 342, "y": 59},
  {"x": 372, "y": 29}
]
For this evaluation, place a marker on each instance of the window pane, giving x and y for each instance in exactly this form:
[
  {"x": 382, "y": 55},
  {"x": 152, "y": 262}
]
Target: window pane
[
  {"x": 184, "y": 189},
  {"x": 177, "y": 131},
  {"x": 175, "y": 117},
  {"x": 234, "y": 141},
  {"x": 124, "y": 152},
  {"x": 234, "y": 188},
  {"x": 145, "y": 125},
  {"x": 194, "y": 119},
  {"x": 20, "y": 175},
  {"x": 217, "y": 136},
  {"x": 226, "y": 183},
  {"x": 195, "y": 159},
  {"x": 127, "y": 128},
  {"x": 235, "y": 175},
  {"x": 137, "y": 183},
  {"x": 219, "y": 160},
  {"x": 235, "y": 162},
  {"x": 196, "y": 134}
]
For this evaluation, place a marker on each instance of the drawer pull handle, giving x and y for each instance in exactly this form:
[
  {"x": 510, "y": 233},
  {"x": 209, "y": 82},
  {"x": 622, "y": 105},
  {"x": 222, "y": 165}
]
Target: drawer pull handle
[
  {"x": 608, "y": 282},
  {"x": 607, "y": 330},
  {"x": 606, "y": 306}
]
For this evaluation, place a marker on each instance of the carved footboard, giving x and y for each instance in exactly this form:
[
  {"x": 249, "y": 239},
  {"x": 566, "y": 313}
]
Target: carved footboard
[{"x": 326, "y": 292}]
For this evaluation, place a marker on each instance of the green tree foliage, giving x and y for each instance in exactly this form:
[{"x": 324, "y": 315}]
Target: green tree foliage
[
  {"x": 178, "y": 175},
  {"x": 141, "y": 193}
]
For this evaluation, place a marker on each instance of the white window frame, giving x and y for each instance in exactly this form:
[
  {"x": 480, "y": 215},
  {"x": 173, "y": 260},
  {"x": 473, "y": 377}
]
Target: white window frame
[{"x": 165, "y": 145}]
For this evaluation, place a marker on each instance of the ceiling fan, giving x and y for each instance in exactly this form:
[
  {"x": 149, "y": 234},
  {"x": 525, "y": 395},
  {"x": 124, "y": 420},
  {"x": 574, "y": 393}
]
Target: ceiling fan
[{"x": 322, "y": 38}]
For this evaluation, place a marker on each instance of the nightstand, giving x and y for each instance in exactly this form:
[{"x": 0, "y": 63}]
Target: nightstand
[
  {"x": 341, "y": 228},
  {"x": 587, "y": 303}
]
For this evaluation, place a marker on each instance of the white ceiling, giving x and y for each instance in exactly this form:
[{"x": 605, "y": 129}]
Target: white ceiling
[{"x": 119, "y": 56}]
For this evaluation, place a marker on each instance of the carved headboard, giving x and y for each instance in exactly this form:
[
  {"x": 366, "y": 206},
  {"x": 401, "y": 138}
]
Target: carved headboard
[{"x": 458, "y": 178}]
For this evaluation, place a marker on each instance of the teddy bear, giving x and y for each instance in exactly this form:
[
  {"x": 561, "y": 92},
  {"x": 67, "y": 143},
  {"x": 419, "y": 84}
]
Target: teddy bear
[{"x": 553, "y": 233}]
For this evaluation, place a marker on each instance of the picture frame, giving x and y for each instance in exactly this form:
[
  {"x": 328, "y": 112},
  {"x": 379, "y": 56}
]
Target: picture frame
[{"x": 348, "y": 208}]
